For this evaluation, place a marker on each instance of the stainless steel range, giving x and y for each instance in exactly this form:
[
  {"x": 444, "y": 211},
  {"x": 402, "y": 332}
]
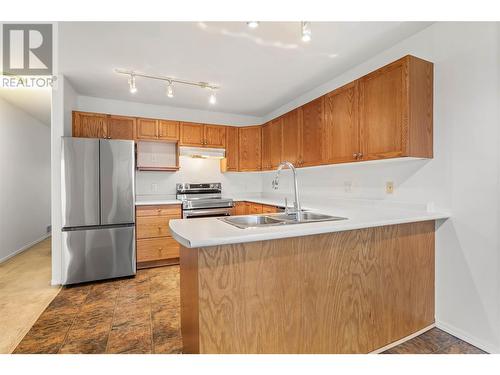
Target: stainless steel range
[{"x": 203, "y": 200}]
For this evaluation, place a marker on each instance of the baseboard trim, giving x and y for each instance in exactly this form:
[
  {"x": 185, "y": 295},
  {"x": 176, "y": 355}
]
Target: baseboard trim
[
  {"x": 399, "y": 342},
  {"x": 457, "y": 332},
  {"x": 25, "y": 247}
]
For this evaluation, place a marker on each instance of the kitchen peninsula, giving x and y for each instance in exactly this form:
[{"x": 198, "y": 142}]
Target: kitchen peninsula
[{"x": 350, "y": 286}]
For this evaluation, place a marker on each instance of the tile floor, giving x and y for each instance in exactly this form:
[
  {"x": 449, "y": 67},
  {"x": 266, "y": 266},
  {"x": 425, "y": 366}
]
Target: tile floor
[
  {"x": 25, "y": 292},
  {"x": 130, "y": 315}
]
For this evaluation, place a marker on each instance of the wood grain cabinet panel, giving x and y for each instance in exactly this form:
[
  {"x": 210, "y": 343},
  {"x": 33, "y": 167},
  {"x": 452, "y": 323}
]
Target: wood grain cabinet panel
[
  {"x": 192, "y": 134},
  {"x": 232, "y": 149},
  {"x": 89, "y": 125},
  {"x": 266, "y": 146},
  {"x": 250, "y": 143},
  {"x": 155, "y": 245},
  {"x": 121, "y": 127},
  {"x": 276, "y": 142},
  {"x": 214, "y": 136},
  {"x": 312, "y": 133},
  {"x": 267, "y": 209},
  {"x": 154, "y": 249},
  {"x": 254, "y": 208},
  {"x": 396, "y": 110},
  {"x": 341, "y": 127},
  {"x": 168, "y": 130},
  {"x": 147, "y": 128},
  {"x": 292, "y": 136}
]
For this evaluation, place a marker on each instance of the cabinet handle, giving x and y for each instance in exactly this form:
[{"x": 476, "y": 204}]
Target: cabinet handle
[
  {"x": 360, "y": 155},
  {"x": 159, "y": 228},
  {"x": 159, "y": 210},
  {"x": 355, "y": 155},
  {"x": 160, "y": 248}
]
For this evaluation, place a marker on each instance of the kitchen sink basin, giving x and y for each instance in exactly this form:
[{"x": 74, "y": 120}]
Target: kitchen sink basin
[
  {"x": 251, "y": 221},
  {"x": 248, "y": 221},
  {"x": 306, "y": 217}
]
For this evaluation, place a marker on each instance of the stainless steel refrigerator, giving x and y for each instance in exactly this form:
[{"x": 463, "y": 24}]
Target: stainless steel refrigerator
[{"x": 98, "y": 199}]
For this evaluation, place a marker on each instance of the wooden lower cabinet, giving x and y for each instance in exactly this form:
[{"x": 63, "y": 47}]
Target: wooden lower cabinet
[
  {"x": 267, "y": 209},
  {"x": 250, "y": 208},
  {"x": 155, "y": 245},
  {"x": 352, "y": 291}
]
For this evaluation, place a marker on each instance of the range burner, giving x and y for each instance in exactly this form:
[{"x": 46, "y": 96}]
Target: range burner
[{"x": 203, "y": 200}]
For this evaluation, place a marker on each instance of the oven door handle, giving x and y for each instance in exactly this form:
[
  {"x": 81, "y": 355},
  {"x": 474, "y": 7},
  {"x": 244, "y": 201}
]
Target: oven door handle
[{"x": 195, "y": 213}]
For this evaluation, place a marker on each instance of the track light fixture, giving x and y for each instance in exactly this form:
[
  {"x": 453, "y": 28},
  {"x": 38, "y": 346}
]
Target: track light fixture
[
  {"x": 131, "y": 83},
  {"x": 212, "y": 99},
  {"x": 253, "y": 24},
  {"x": 306, "y": 31},
  {"x": 170, "y": 81},
  {"x": 170, "y": 90}
]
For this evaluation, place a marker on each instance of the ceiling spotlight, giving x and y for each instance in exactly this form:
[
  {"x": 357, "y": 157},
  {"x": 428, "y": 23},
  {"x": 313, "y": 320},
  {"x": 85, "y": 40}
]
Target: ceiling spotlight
[
  {"x": 170, "y": 90},
  {"x": 306, "y": 31},
  {"x": 253, "y": 24},
  {"x": 212, "y": 99},
  {"x": 131, "y": 83}
]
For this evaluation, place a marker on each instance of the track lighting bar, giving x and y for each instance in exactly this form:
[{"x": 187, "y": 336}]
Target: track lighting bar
[{"x": 169, "y": 80}]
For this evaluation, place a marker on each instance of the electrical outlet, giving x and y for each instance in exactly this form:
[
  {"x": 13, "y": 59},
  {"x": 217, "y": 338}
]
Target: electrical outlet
[
  {"x": 154, "y": 188},
  {"x": 389, "y": 187},
  {"x": 49, "y": 228}
]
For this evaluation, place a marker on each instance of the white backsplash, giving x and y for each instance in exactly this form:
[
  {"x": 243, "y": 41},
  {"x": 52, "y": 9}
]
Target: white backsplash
[{"x": 194, "y": 170}]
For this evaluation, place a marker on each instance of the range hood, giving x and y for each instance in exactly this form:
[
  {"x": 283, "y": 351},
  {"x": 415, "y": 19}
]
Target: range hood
[{"x": 202, "y": 152}]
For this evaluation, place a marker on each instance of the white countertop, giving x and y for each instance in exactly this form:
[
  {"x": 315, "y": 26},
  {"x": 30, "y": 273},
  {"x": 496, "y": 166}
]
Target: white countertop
[
  {"x": 145, "y": 200},
  {"x": 203, "y": 232}
]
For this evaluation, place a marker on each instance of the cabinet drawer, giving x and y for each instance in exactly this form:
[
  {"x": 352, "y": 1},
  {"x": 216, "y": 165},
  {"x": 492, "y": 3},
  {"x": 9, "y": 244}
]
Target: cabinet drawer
[
  {"x": 170, "y": 210},
  {"x": 154, "y": 226},
  {"x": 157, "y": 249}
]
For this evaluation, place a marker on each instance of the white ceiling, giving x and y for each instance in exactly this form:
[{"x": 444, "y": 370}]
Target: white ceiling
[
  {"x": 258, "y": 70},
  {"x": 35, "y": 102}
]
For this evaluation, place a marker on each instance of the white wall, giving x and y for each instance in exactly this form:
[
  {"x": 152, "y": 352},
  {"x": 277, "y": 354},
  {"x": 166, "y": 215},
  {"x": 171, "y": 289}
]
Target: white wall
[
  {"x": 120, "y": 107},
  {"x": 463, "y": 176},
  {"x": 24, "y": 180},
  {"x": 198, "y": 170}
]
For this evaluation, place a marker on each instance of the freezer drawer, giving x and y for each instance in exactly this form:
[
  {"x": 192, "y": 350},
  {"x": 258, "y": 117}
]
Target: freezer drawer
[
  {"x": 117, "y": 177},
  {"x": 80, "y": 182},
  {"x": 100, "y": 253}
]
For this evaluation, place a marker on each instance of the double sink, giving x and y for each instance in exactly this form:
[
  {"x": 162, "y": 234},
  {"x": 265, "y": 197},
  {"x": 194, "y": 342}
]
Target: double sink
[{"x": 302, "y": 217}]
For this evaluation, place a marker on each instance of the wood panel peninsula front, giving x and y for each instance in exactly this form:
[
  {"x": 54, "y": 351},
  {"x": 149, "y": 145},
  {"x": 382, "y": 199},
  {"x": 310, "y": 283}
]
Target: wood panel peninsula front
[{"x": 338, "y": 291}]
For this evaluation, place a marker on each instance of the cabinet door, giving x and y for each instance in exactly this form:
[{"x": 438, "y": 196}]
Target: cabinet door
[
  {"x": 254, "y": 208},
  {"x": 240, "y": 208},
  {"x": 121, "y": 127},
  {"x": 383, "y": 112},
  {"x": 312, "y": 133},
  {"x": 168, "y": 130},
  {"x": 341, "y": 137},
  {"x": 266, "y": 209},
  {"x": 250, "y": 143},
  {"x": 89, "y": 125},
  {"x": 147, "y": 128},
  {"x": 291, "y": 136},
  {"x": 192, "y": 134},
  {"x": 215, "y": 136},
  {"x": 276, "y": 142},
  {"x": 266, "y": 147},
  {"x": 232, "y": 148}
]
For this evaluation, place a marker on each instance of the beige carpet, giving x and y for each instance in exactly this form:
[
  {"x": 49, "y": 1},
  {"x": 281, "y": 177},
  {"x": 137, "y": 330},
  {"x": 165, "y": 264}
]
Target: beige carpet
[{"x": 25, "y": 292}]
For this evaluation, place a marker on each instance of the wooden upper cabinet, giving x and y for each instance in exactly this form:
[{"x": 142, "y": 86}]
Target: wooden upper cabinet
[
  {"x": 121, "y": 127},
  {"x": 89, "y": 125},
  {"x": 214, "y": 136},
  {"x": 292, "y": 136},
  {"x": 231, "y": 149},
  {"x": 250, "y": 143},
  {"x": 147, "y": 128},
  {"x": 192, "y": 134},
  {"x": 312, "y": 133},
  {"x": 341, "y": 127},
  {"x": 266, "y": 146},
  {"x": 276, "y": 141},
  {"x": 168, "y": 130},
  {"x": 396, "y": 110}
]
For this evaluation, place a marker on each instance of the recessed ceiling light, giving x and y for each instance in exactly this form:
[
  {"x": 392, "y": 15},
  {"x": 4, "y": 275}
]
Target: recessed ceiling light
[
  {"x": 253, "y": 24},
  {"x": 306, "y": 31}
]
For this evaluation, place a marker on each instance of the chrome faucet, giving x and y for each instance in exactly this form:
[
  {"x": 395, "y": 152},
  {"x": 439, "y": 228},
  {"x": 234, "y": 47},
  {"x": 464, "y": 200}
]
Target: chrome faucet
[{"x": 275, "y": 183}]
